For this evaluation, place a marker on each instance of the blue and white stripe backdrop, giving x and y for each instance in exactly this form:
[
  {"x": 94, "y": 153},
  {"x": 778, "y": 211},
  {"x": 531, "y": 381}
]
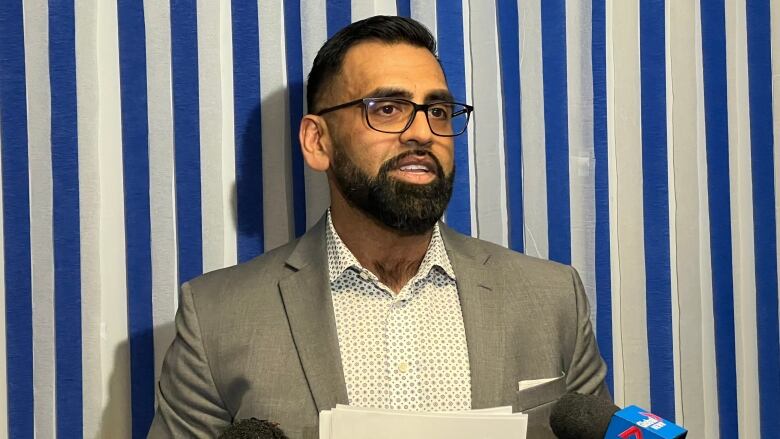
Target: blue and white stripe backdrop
[{"x": 145, "y": 142}]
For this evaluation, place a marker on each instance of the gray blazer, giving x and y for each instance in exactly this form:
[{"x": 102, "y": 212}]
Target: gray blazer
[{"x": 259, "y": 339}]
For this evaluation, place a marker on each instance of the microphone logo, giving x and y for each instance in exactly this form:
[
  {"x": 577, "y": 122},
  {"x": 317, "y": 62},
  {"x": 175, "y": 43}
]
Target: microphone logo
[
  {"x": 653, "y": 421},
  {"x": 633, "y": 432},
  {"x": 635, "y": 423}
]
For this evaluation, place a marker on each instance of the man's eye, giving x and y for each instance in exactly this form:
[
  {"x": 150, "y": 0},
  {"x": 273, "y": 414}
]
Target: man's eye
[
  {"x": 438, "y": 112},
  {"x": 388, "y": 109}
]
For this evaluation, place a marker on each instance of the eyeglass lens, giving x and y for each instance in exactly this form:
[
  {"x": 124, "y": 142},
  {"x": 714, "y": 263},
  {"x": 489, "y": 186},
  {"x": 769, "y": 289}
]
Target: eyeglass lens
[{"x": 393, "y": 116}]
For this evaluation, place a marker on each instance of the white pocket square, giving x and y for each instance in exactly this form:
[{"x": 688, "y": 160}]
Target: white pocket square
[{"x": 527, "y": 384}]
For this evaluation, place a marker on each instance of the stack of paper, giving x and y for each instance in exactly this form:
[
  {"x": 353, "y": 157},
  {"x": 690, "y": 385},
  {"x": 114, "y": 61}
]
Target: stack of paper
[{"x": 346, "y": 422}]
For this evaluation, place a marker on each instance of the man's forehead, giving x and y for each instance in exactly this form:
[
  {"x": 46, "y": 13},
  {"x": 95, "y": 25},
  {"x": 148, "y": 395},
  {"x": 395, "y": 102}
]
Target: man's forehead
[{"x": 402, "y": 67}]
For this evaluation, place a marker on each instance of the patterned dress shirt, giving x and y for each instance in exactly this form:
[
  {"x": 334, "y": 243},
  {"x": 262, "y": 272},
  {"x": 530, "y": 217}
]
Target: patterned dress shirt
[{"x": 404, "y": 351}]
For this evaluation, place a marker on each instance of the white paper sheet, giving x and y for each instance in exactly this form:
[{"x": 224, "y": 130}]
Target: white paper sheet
[{"x": 345, "y": 422}]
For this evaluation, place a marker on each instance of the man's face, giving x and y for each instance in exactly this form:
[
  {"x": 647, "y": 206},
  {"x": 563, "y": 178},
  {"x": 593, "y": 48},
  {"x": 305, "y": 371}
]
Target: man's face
[{"x": 403, "y": 180}]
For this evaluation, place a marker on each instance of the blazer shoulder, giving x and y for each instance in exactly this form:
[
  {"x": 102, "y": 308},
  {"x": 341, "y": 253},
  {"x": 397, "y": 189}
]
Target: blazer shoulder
[{"x": 255, "y": 284}]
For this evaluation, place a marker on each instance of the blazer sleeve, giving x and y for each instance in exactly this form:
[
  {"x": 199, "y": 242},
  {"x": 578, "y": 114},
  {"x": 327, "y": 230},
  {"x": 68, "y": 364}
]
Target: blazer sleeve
[
  {"x": 188, "y": 401},
  {"x": 587, "y": 369}
]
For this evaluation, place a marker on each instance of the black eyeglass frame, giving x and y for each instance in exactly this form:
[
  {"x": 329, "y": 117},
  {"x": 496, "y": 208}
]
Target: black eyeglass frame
[{"x": 416, "y": 107}]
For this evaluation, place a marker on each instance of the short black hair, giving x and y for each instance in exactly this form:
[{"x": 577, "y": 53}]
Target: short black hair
[{"x": 382, "y": 28}]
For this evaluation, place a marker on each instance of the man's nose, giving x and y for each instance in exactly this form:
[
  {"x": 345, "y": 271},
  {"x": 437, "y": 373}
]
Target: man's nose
[{"x": 419, "y": 131}]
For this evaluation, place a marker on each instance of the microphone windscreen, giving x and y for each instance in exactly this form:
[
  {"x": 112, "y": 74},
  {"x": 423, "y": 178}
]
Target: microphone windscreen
[
  {"x": 253, "y": 428},
  {"x": 578, "y": 416}
]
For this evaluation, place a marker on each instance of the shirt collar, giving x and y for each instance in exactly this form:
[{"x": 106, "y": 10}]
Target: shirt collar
[
  {"x": 436, "y": 256},
  {"x": 340, "y": 258}
]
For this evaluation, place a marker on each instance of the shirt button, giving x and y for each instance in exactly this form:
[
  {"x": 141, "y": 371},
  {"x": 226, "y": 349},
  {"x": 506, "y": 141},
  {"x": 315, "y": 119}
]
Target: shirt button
[{"x": 403, "y": 367}]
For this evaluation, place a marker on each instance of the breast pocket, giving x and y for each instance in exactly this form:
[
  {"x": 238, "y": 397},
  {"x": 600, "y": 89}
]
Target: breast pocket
[{"x": 542, "y": 394}]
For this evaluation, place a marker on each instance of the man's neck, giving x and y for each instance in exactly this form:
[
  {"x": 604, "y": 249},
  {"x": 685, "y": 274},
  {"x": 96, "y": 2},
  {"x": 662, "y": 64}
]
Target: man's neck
[{"x": 392, "y": 256}]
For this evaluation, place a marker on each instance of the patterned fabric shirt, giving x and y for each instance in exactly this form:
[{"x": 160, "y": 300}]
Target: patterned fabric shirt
[{"x": 404, "y": 351}]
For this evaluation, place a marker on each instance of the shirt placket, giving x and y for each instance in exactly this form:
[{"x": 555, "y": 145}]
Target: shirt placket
[{"x": 400, "y": 365}]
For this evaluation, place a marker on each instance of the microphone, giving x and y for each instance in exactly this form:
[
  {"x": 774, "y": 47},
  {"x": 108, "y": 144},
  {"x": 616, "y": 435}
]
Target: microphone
[
  {"x": 253, "y": 428},
  {"x": 581, "y": 416},
  {"x": 577, "y": 416}
]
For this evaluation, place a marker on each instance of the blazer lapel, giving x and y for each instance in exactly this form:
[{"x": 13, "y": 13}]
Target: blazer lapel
[
  {"x": 307, "y": 301},
  {"x": 480, "y": 300}
]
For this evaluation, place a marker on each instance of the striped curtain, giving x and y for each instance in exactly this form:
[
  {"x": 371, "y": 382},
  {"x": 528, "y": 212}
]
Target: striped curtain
[{"x": 146, "y": 142}]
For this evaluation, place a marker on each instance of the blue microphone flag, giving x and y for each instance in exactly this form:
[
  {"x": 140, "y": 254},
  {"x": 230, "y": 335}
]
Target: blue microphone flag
[{"x": 635, "y": 423}]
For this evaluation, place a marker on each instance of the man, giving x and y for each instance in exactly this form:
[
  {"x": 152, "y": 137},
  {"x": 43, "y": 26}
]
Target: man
[{"x": 379, "y": 305}]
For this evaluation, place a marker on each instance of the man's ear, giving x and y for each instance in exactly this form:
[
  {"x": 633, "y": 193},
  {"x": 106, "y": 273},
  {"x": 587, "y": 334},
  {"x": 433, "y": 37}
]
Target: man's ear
[{"x": 315, "y": 142}]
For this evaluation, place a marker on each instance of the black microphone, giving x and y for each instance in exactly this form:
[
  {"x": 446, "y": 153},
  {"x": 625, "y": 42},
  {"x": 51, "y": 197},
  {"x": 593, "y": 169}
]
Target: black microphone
[
  {"x": 592, "y": 417},
  {"x": 253, "y": 428},
  {"x": 578, "y": 416}
]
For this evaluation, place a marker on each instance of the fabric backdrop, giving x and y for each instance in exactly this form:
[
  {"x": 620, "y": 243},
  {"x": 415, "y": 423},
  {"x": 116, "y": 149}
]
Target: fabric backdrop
[{"x": 146, "y": 142}]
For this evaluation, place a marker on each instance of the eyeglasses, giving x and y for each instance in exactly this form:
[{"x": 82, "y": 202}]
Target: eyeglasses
[{"x": 393, "y": 115}]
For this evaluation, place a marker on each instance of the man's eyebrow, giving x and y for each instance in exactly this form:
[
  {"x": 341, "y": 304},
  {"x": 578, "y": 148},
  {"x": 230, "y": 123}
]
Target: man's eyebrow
[
  {"x": 396, "y": 92},
  {"x": 439, "y": 96},
  {"x": 389, "y": 92}
]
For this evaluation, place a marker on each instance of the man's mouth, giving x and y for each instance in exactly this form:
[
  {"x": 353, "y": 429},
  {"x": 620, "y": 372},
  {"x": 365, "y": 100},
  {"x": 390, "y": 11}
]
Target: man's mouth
[
  {"x": 415, "y": 168},
  {"x": 417, "y": 163}
]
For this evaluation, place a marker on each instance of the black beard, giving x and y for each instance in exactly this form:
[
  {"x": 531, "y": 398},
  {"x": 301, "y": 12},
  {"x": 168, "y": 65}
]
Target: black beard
[{"x": 409, "y": 208}]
